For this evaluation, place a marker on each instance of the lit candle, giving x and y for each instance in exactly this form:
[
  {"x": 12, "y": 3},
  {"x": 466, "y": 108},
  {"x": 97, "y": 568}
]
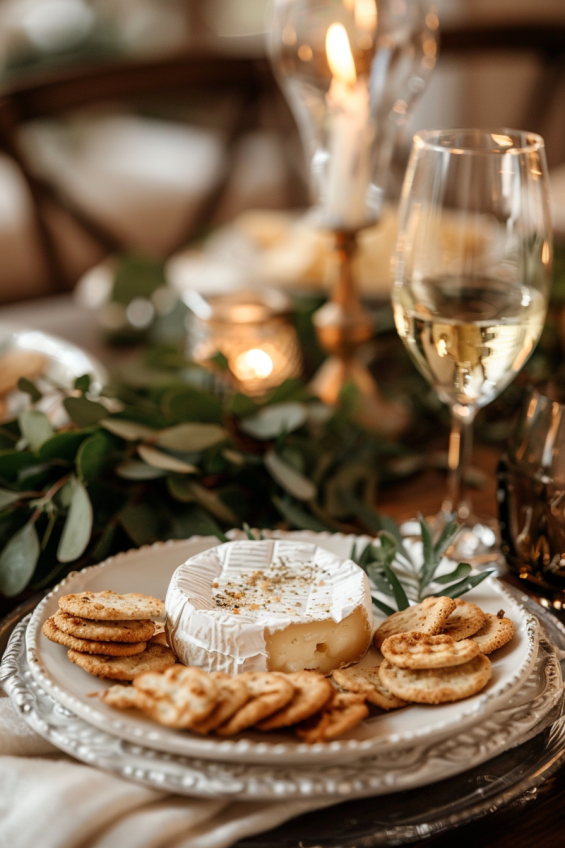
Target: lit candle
[
  {"x": 349, "y": 142},
  {"x": 253, "y": 331}
]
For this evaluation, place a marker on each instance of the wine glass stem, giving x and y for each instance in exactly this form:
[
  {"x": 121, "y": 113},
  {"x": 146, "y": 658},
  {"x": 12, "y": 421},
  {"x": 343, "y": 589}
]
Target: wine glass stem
[{"x": 458, "y": 459}]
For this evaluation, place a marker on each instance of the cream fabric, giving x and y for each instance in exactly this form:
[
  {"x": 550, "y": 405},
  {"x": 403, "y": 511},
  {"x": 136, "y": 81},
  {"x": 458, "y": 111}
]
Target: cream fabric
[{"x": 48, "y": 800}]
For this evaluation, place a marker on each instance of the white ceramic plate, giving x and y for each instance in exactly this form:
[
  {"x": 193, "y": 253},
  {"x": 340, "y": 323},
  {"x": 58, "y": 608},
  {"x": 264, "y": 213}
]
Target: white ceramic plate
[
  {"x": 148, "y": 570},
  {"x": 524, "y": 715},
  {"x": 64, "y": 362}
]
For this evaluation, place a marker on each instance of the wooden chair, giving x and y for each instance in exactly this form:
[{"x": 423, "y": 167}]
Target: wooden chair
[
  {"x": 54, "y": 93},
  {"x": 545, "y": 41}
]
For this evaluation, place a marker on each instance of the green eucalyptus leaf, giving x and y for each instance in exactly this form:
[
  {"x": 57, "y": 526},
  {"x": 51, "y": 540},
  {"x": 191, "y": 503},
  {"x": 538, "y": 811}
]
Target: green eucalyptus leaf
[
  {"x": 292, "y": 389},
  {"x": 83, "y": 383},
  {"x": 134, "y": 469},
  {"x": 78, "y": 525},
  {"x": 18, "y": 560},
  {"x": 160, "y": 459},
  {"x": 7, "y": 497},
  {"x": 191, "y": 437},
  {"x": 35, "y": 427},
  {"x": 462, "y": 570},
  {"x": 272, "y": 421},
  {"x": 298, "y": 517},
  {"x": 62, "y": 446},
  {"x": 140, "y": 523},
  {"x": 84, "y": 412},
  {"x": 11, "y": 462},
  {"x": 25, "y": 385},
  {"x": 292, "y": 481},
  {"x": 189, "y": 491},
  {"x": 190, "y": 404},
  {"x": 131, "y": 431},
  {"x": 93, "y": 457},
  {"x": 242, "y": 406},
  {"x": 235, "y": 457},
  {"x": 193, "y": 521}
]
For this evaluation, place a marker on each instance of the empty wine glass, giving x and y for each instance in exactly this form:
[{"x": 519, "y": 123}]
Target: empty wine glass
[{"x": 473, "y": 268}]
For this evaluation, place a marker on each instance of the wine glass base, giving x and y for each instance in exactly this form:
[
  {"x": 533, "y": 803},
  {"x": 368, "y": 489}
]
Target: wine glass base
[{"x": 478, "y": 541}]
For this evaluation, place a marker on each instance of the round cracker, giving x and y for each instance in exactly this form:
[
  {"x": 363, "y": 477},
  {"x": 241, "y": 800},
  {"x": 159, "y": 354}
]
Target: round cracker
[
  {"x": 109, "y": 606},
  {"x": 125, "y": 698},
  {"x": 179, "y": 696},
  {"x": 427, "y": 617},
  {"x": 344, "y": 712},
  {"x": 153, "y": 658},
  {"x": 104, "y": 631},
  {"x": 269, "y": 692},
  {"x": 437, "y": 685},
  {"x": 367, "y": 682},
  {"x": 494, "y": 633},
  {"x": 232, "y": 695},
  {"x": 466, "y": 619},
  {"x": 312, "y": 692},
  {"x": 86, "y": 646},
  {"x": 420, "y": 650}
]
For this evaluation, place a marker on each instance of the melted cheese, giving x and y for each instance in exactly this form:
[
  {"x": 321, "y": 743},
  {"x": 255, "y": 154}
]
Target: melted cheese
[{"x": 275, "y": 605}]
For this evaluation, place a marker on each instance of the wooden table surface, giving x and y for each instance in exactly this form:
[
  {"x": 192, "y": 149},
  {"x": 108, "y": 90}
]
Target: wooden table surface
[{"x": 537, "y": 821}]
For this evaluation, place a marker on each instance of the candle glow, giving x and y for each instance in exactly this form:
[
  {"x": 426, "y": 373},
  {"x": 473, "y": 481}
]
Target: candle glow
[
  {"x": 340, "y": 57},
  {"x": 253, "y": 364}
]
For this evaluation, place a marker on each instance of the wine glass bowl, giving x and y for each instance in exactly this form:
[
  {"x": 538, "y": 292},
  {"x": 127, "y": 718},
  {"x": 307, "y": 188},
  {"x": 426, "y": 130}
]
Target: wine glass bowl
[{"x": 473, "y": 269}]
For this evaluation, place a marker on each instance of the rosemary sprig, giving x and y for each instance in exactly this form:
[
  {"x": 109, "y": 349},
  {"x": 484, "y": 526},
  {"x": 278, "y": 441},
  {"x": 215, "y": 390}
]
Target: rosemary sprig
[{"x": 386, "y": 567}]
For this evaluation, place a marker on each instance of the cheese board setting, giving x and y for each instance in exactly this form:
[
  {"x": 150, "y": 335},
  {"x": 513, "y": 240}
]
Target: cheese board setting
[{"x": 386, "y": 752}]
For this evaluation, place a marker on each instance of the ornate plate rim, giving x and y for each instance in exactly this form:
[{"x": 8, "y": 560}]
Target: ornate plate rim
[
  {"x": 208, "y": 778},
  {"x": 226, "y": 749}
]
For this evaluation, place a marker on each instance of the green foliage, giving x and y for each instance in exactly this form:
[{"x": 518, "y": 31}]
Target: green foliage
[
  {"x": 392, "y": 572},
  {"x": 167, "y": 454}
]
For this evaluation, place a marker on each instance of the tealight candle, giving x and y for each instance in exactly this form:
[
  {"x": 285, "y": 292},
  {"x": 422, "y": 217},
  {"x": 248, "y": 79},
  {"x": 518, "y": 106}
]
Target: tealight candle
[{"x": 253, "y": 331}]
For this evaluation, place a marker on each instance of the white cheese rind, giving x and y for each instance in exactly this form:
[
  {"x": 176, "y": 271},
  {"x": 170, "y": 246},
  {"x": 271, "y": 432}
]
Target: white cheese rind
[{"x": 280, "y": 582}]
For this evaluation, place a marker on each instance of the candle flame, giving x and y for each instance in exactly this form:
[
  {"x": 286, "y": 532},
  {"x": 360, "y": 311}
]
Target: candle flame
[
  {"x": 340, "y": 57},
  {"x": 253, "y": 364}
]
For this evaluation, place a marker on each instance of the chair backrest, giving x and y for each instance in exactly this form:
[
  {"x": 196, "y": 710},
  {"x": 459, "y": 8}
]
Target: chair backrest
[
  {"x": 543, "y": 40},
  {"x": 249, "y": 81}
]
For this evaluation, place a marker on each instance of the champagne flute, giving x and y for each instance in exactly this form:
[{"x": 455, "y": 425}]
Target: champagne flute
[{"x": 473, "y": 269}]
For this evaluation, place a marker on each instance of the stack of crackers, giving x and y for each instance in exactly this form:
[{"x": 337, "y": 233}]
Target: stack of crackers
[
  {"x": 189, "y": 698},
  {"x": 434, "y": 653},
  {"x": 111, "y": 635}
]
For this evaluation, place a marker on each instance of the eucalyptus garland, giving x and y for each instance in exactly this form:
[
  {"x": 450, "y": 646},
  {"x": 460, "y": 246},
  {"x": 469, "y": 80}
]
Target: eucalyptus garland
[{"x": 168, "y": 453}]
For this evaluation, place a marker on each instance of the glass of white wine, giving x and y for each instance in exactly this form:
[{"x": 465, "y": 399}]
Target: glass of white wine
[{"x": 473, "y": 269}]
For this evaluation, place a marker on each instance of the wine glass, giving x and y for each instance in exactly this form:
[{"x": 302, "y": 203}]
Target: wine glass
[{"x": 473, "y": 269}]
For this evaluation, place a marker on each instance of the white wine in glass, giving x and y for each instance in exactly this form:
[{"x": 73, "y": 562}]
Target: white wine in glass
[{"x": 473, "y": 269}]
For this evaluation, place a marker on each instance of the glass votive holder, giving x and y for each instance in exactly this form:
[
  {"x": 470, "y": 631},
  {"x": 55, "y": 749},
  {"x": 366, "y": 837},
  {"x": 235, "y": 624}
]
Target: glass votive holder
[
  {"x": 253, "y": 330},
  {"x": 532, "y": 497}
]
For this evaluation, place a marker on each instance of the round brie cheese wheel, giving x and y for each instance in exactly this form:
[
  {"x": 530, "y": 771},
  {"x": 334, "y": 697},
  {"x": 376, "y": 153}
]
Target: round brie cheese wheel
[{"x": 268, "y": 605}]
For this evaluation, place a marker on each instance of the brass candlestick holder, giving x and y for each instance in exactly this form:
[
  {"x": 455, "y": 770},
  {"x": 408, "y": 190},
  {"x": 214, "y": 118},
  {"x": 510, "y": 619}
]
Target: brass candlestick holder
[{"x": 344, "y": 327}]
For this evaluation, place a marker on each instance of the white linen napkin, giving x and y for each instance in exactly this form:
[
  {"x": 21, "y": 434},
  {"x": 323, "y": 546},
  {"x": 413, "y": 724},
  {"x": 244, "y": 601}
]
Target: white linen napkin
[{"x": 48, "y": 800}]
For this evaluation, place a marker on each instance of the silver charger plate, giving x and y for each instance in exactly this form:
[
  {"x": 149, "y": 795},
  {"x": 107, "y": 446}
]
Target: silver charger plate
[{"x": 526, "y": 713}]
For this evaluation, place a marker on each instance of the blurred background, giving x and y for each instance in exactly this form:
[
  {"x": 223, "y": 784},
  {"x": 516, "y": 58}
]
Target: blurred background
[{"x": 146, "y": 125}]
